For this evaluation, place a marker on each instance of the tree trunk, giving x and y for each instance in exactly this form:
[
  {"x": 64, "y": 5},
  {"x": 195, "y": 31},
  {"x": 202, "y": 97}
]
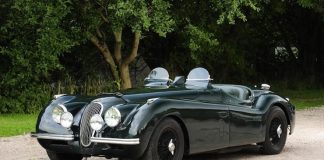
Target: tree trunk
[
  {"x": 119, "y": 66},
  {"x": 118, "y": 46},
  {"x": 124, "y": 67},
  {"x": 104, "y": 50},
  {"x": 125, "y": 77}
]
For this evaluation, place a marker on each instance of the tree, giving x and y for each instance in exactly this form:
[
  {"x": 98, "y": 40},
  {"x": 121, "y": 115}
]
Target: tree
[
  {"x": 31, "y": 41},
  {"x": 34, "y": 34},
  {"x": 117, "y": 16},
  {"x": 63, "y": 24},
  {"x": 201, "y": 32},
  {"x": 107, "y": 20}
]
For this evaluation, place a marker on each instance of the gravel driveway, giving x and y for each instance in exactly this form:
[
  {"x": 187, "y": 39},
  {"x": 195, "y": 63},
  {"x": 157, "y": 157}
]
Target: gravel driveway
[{"x": 306, "y": 143}]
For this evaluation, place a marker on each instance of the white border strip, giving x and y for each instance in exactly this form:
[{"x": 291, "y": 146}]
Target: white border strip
[{"x": 133, "y": 141}]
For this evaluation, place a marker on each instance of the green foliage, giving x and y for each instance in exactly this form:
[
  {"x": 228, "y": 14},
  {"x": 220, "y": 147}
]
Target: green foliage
[
  {"x": 230, "y": 10},
  {"x": 139, "y": 16},
  {"x": 200, "y": 42},
  {"x": 27, "y": 100},
  {"x": 41, "y": 43},
  {"x": 91, "y": 86},
  {"x": 33, "y": 40},
  {"x": 123, "y": 18},
  {"x": 308, "y": 3},
  {"x": 35, "y": 34},
  {"x": 316, "y": 5},
  {"x": 206, "y": 36}
]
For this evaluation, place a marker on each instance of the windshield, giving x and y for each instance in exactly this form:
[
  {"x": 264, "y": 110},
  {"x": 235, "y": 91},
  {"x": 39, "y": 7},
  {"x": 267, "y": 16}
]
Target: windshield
[
  {"x": 198, "y": 78},
  {"x": 158, "y": 73},
  {"x": 158, "y": 77}
]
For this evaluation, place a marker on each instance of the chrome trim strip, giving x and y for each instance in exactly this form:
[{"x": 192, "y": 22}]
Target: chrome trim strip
[
  {"x": 133, "y": 141},
  {"x": 52, "y": 136},
  {"x": 58, "y": 96},
  {"x": 63, "y": 107}
]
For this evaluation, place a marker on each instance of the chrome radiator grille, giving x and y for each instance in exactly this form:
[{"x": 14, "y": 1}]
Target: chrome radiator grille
[{"x": 85, "y": 130}]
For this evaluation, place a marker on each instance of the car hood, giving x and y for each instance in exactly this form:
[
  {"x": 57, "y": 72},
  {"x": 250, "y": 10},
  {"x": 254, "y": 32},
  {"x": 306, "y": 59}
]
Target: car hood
[
  {"x": 130, "y": 96},
  {"x": 142, "y": 95}
]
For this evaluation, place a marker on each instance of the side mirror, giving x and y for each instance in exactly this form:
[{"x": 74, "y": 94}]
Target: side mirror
[{"x": 178, "y": 81}]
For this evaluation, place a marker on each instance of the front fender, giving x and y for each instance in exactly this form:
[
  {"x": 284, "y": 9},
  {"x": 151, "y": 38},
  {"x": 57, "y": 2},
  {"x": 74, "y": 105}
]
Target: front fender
[
  {"x": 150, "y": 114},
  {"x": 266, "y": 101},
  {"x": 147, "y": 118},
  {"x": 73, "y": 104}
]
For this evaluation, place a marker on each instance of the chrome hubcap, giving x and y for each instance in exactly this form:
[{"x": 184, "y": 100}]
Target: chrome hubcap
[
  {"x": 171, "y": 147},
  {"x": 279, "y": 131}
]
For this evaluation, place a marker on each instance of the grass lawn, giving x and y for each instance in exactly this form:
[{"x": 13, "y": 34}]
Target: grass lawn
[
  {"x": 17, "y": 124},
  {"x": 304, "y": 98}
]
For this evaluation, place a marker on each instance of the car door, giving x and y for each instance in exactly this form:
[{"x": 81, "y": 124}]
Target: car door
[
  {"x": 245, "y": 124},
  {"x": 208, "y": 125}
]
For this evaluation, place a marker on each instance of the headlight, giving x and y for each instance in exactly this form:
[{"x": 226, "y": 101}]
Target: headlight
[
  {"x": 57, "y": 113},
  {"x": 96, "y": 122},
  {"x": 66, "y": 119},
  {"x": 112, "y": 117}
]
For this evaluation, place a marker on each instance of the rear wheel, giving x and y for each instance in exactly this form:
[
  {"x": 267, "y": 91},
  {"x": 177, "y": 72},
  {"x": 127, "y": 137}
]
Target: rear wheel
[
  {"x": 166, "y": 143},
  {"x": 276, "y": 133},
  {"x": 63, "y": 156}
]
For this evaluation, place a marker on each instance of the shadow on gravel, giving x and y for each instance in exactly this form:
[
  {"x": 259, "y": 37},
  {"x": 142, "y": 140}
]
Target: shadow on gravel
[{"x": 251, "y": 151}]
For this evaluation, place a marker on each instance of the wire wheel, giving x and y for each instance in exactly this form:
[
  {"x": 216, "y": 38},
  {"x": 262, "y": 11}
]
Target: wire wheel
[
  {"x": 275, "y": 131},
  {"x": 167, "y": 144}
]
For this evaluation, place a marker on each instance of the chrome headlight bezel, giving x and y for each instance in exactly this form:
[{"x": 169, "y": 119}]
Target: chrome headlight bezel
[
  {"x": 66, "y": 119},
  {"x": 96, "y": 122},
  {"x": 57, "y": 112},
  {"x": 112, "y": 117}
]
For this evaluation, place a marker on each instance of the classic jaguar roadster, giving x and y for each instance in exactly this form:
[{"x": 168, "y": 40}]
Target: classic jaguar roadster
[{"x": 165, "y": 120}]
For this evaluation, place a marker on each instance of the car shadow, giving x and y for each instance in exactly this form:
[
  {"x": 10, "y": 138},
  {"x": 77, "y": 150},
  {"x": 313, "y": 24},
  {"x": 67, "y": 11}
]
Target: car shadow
[{"x": 233, "y": 154}]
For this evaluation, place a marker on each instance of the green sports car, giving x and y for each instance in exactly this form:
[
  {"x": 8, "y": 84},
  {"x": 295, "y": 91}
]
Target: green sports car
[{"x": 165, "y": 120}]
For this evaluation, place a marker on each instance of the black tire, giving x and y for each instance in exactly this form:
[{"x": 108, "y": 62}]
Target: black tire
[
  {"x": 274, "y": 140},
  {"x": 168, "y": 132},
  {"x": 63, "y": 156}
]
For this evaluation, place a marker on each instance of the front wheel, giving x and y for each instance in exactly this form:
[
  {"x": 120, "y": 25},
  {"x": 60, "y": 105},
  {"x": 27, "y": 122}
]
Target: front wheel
[
  {"x": 276, "y": 133},
  {"x": 166, "y": 143},
  {"x": 63, "y": 156}
]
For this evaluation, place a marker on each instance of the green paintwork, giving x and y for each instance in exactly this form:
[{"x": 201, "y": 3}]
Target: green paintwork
[{"x": 210, "y": 118}]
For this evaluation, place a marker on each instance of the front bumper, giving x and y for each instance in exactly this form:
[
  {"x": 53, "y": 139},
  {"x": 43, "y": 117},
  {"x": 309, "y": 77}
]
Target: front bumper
[
  {"x": 108, "y": 147},
  {"x": 52, "y": 136},
  {"x": 120, "y": 141},
  {"x": 133, "y": 141}
]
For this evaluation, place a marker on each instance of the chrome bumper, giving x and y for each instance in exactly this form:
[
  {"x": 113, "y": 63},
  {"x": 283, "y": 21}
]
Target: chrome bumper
[
  {"x": 52, "y": 136},
  {"x": 133, "y": 141}
]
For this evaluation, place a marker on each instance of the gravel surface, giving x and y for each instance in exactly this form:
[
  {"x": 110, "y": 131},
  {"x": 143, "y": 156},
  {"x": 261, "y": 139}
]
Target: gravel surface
[{"x": 306, "y": 143}]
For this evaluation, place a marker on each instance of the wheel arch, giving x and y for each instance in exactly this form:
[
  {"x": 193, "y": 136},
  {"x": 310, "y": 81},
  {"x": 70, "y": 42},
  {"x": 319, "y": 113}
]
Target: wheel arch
[
  {"x": 267, "y": 146},
  {"x": 184, "y": 130},
  {"x": 268, "y": 101},
  {"x": 284, "y": 109},
  {"x": 148, "y": 118}
]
